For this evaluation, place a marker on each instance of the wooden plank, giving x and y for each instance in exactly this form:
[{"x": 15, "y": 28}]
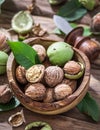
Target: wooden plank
[{"x": 57, "y": 122}]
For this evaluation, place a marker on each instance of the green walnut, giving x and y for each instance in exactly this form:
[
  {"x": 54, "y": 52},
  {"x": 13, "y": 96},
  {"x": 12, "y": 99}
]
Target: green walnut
[
  {"x": 59, "y": 53},
  {"x": 38, "y": 125},
  {"x": 3, "y": 61}
]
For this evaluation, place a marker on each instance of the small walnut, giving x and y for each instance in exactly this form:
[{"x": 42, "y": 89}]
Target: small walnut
[
  {"x": 36, "y": 91},
  {"x": 40, "y": 51},
  {"x": 53, "y": 75},
  {"x": 61, "y": 91},
  {"x": 49, "y": 97},
  {"x": 72, "y": 67},
  {"x": 5, "y": 93},
  {"x": 20, "y": 74},
  {"x": 71, "y": 82},
  {"x": 35, "y": 73}
]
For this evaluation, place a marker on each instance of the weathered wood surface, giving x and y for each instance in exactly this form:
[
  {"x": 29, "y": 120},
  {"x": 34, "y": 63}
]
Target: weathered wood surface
[{"x": 71, "y": 120}]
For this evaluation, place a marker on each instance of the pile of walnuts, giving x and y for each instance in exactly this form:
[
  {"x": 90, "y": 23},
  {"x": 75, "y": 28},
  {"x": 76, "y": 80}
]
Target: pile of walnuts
[{"x": 45, "y": 82}]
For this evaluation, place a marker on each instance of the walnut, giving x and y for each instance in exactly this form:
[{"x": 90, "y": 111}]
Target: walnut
[
  {"x": 38, "y": 31},
  {"x": 35, "y": 73},
  {"x": 5, "y": 93},
  {"x": 53, "y": 75},
  {"x": 61, "y": 91},
  {"x": 35, "y": 91},
  {"x": 72, "y": 67},
  {"x": 74, "y": 70},
  {"x": 20, "y": 74},
  {"x": 49, "y": 97},
  {"x": 40, "y": 51},
  {"x": 71, "y": 82}
]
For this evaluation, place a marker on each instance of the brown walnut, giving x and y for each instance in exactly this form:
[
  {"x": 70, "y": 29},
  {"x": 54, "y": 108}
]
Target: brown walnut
[
  {"x": 72, "y": 67},
  {"x": 40, "y": 51},
  {"x": 53, "y": 75},
  {"x": 49, "y": 97},
  {"x": 20, "y": 74},
  {"x": 61, "y": 91},
  {"x": 5, "y": 93},
  {"x": 71, "y": 82},
  {"x": 35, "y": 91}
]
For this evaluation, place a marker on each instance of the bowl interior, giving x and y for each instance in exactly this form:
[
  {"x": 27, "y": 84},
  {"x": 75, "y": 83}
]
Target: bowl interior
[{"x": 57, "y": 106}]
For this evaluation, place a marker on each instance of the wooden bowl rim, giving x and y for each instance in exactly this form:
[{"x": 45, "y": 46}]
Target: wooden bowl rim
[{"x": 55, "y": 107}]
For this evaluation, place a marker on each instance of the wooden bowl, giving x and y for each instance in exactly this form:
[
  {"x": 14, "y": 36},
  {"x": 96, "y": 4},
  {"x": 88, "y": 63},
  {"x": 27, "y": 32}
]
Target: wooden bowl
[{"x": 57, "y": 106}]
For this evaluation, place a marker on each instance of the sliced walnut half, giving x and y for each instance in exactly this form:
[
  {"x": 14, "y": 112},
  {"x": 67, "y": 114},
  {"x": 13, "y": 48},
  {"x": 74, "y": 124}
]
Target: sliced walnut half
[
  {"x": 35, "y": 73},
  {"x": 53, "y": 75},
  {"x": 36, "y": 91}
]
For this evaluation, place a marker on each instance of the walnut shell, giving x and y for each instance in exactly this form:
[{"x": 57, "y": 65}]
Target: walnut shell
[
  {"x": 72, "y": 67},
  {"x": 71, "y": 82},
  {"x": 49, "y": 97},
  {"x": 35, "y": 73},
  {"x": 40, "y": 51},
  {"x": 36, "y": 91},
  {"x": 5, "y": 94},
  {"x": 61, "y": 91},
  {"x": 53, "y": 75},
  {"x": 20, "y": 74}
]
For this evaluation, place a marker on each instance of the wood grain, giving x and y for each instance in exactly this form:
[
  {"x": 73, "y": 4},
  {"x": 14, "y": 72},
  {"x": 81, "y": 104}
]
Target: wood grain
[{"x": 71, "y": 120}]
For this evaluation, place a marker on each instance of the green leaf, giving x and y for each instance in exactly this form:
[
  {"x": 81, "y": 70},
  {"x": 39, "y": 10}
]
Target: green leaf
[
  {"x": 72, "y": 10},
  {"x": 24, "y": 54},
  {"x": 89, "y": 106},
  {"x": 1, "y": 2},
  {"x": 80, "y": 12},
  {"x": 58, "y": 31},
  {"x": 87, "y": 31},
  {"x": 13, "y": 103}
]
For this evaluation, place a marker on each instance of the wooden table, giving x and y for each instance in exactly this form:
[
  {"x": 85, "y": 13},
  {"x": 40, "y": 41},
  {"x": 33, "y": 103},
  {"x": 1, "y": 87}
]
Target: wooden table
[{"x": 71, "y": 120}]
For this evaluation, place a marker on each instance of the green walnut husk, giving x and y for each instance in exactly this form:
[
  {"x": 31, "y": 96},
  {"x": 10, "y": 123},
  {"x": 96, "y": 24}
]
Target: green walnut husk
[
  {"x": 88, "y": 4},
  {"x": 76, "y": 76},
  {"x": 59, "y": 53},
  {"x": 22, "y": 22},
  {"x": 39, "y": 125},
  {"x": 3, "y": 61}
]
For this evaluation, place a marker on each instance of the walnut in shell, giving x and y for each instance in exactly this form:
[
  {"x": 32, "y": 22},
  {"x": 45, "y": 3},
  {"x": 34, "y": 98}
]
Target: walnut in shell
[
  {"x": 35, "y": 73},
  {"x": 40, "y": 51},
  {"x": 5, "y": 94},
  {"x": 71, "y": 82},
  {"x": 53, "y": 75},
  {"x": 73, "y": 70},
  {"x": 20, "y": 74},
  {"x": 61, "y": 91},
  {"x": 72, "y": 67},
  {"x": 36, "y": 91},
  {"x": 49, "y": 97}
]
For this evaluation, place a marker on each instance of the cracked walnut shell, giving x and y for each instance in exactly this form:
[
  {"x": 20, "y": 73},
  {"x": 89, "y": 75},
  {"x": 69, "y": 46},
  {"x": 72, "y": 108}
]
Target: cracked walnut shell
[
  {"x": 53, "y": 75},
  {"x": 35, "y": 73}
]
